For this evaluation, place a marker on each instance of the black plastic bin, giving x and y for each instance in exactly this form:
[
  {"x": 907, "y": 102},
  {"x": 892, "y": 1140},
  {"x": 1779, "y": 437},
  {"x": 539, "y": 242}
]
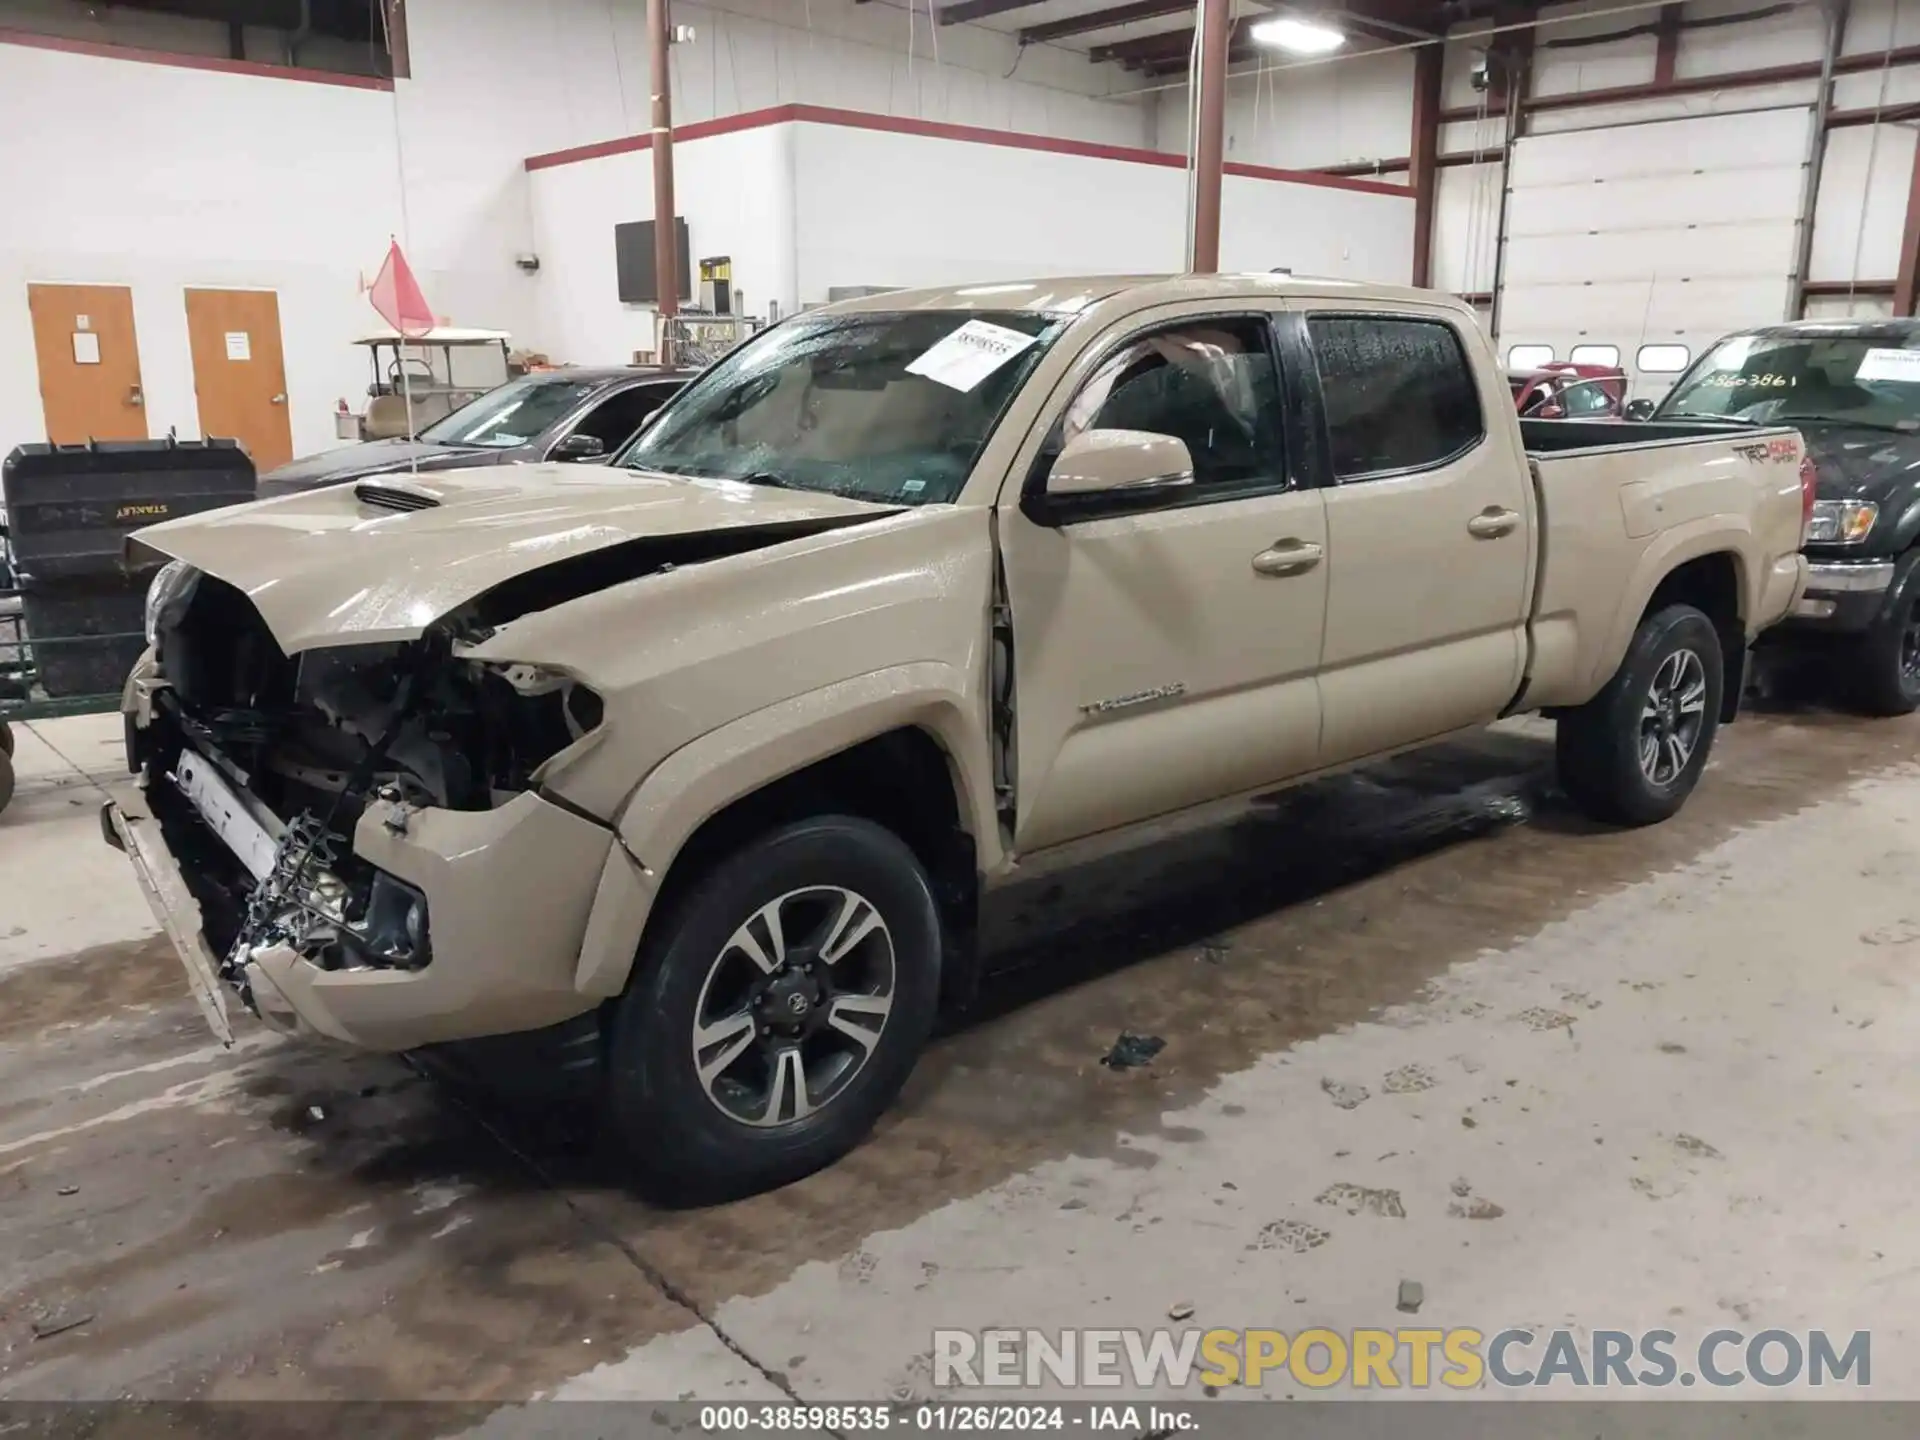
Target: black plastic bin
[{"x": 69, "y": 510}]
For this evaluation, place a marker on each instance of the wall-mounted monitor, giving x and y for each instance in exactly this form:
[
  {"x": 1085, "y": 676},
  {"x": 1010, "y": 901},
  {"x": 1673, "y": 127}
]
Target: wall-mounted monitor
[{"x": 633, "y": 259}]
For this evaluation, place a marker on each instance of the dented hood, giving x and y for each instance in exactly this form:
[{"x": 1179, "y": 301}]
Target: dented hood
[{"x": 382, "y": 560}]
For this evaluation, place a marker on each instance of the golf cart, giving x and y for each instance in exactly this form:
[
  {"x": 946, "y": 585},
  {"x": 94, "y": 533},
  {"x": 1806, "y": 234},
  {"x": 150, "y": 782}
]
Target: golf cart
[{"x": 436, "y": 374}]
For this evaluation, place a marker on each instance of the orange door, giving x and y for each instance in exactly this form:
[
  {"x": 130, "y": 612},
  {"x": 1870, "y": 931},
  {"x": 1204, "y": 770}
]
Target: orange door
[
  {"x": 239, "y": 374},
  {"x": 89, "y": 362}
]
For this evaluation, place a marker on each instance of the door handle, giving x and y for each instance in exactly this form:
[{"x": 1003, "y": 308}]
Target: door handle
[
  {"x": 1493, "y": 522},
  {"x": 134, "y": 397},
  {"x": 280, "y": 399},
  {"x": 1288, "y": 557}
]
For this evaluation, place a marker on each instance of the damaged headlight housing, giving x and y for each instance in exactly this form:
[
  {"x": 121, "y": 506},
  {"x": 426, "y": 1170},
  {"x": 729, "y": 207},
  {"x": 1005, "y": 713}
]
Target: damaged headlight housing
[
  {"x": 1841, "y": 522},
  {"x": 168, "y": 597}
]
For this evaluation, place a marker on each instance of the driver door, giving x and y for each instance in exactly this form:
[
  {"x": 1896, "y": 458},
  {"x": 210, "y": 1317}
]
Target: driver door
[{"x": 1162, "y": 657}]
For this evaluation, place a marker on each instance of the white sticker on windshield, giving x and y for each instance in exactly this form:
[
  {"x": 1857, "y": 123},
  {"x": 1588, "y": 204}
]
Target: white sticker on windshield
[
  {"x": 970, "y": 354},
  {"x": 1890, "y": 365}
]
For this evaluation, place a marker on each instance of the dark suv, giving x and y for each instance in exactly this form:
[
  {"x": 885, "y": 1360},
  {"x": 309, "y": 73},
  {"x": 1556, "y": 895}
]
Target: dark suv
[{"x": 572, "y": 414}]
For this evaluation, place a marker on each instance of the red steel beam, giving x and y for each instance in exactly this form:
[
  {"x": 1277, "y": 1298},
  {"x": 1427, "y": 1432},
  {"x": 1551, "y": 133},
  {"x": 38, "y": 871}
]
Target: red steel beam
[
  {"x": 1908, "y": 279},
  {"x": 1209, "y": 94},
  {"x": 1424, "y": 158},
  {"x": 666, "y": 267},
  {"x": 1666, "y": 44}
]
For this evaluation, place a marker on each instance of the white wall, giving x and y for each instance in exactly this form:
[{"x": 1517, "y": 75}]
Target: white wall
[
  {"x": 956, "y": 212},
  {"x": 736, "y": 193},
  {"x": 1341, "y": 111},
  {"x": 797, "y": 207},
  {"x": 197, "y": 177},
  {"x": 193, "y": 194}
]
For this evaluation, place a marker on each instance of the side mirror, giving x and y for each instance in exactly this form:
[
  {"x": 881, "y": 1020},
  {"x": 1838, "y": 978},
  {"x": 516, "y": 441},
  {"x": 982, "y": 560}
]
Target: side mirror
[
  {"x": 1099, "y": 462},
  {"x": 1639, "y": 410},
  {"x": 578, "y": 446}
]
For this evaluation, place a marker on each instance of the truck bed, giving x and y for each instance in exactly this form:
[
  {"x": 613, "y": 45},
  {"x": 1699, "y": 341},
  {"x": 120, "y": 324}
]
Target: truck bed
[
  {"x": 1618, "y": 502},
  {"x": 1557, "y": 437}
]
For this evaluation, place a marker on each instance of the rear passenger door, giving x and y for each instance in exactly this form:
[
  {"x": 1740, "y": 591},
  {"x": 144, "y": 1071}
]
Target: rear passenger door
[{"x": 1430, "y": 550}]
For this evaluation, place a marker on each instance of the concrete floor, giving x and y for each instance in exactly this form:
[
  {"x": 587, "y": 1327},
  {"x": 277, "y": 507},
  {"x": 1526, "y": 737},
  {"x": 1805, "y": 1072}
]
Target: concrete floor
[{"x": 1670, "y": 1070}]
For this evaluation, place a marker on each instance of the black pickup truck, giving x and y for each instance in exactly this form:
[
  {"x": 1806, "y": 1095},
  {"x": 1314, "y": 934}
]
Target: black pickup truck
[{"x": 1852, "y": 388}]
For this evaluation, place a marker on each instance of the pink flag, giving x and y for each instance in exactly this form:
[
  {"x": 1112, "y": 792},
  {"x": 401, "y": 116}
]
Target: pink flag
[{"x": 396, "y": 296}]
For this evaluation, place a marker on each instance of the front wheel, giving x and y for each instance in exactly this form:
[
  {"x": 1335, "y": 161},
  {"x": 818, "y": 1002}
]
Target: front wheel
[
  {"x": 1882, "y": 674},
  {"x": 1633, "y": 753},
  {"x": 777, "y": 1013}
]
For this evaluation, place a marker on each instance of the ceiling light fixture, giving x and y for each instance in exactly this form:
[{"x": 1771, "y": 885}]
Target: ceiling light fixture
[{"x": 1302, "y": 37}]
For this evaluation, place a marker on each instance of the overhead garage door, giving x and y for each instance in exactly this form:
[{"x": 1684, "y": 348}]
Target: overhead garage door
[{"x": 1665, "y": 234}]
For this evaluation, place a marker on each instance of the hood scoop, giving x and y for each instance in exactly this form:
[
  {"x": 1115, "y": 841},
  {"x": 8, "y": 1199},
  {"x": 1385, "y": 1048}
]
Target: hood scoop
[{"x": 391, "y": 497}]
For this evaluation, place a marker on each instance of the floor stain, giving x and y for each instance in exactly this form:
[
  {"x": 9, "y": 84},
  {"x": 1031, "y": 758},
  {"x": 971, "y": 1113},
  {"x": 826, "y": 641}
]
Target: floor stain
[{"x": 1313, "y": 911}]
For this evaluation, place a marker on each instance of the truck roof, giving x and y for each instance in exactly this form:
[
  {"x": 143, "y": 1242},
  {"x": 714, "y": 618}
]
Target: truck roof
[
  {"x": 1069, "y": 294},
  {"x": 1869, "y": 327}
]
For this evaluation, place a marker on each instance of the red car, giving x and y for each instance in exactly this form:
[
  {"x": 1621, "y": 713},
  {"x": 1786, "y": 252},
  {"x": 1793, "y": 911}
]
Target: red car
[{"x": 1565, "y": 391}]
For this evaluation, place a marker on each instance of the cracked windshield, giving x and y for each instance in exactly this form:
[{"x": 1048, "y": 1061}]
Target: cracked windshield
[
  {"x": 886, "y": 407},
  {"x": 1804, "y": 380}
]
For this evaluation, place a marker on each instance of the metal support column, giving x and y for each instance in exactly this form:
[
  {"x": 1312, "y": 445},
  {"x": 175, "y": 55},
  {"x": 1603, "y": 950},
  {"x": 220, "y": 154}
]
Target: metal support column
[
  {"x": 666, "y": 262},
  {"x": 1207, "y": 93}
]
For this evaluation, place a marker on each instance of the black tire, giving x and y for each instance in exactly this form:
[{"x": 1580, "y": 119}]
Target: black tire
[
  {"x": 6, "y": 738},
  {"x": 679, "y": 1139},
  {"x": 1881, "y": 673},
  {"x": 6, "y": 780},
  {"x": 1599, "y": 747}
]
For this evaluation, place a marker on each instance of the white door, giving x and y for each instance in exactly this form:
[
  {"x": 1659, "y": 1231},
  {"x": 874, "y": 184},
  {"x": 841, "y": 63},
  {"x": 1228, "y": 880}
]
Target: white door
[{"x": 1664, "y": 234}]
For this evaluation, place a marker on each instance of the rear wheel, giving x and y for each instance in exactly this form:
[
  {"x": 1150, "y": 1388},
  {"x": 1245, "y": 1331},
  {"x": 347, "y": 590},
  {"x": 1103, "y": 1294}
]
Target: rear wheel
[
  {"x": 1882, "y": 674},
  {"x": 6, "y": 738},
  {"x": 6, "y": 779},
  {"x": 777, "y": 1013},
  {"x": 1633, "y": 753}
]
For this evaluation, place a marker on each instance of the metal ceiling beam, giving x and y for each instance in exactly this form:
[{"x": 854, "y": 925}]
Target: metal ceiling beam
[
  {"x": 1104, "y": 19},
  {"x": 1151, "y": 52},
  {"x": 1167, "y": 43},
  {"x": 965, "y": 10}
]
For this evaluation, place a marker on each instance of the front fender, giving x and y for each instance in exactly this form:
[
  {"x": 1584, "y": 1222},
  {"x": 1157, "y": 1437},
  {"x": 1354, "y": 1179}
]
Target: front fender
[
  {"x": 705, "y": 776},
  {"x": 1906, "y": 524}
]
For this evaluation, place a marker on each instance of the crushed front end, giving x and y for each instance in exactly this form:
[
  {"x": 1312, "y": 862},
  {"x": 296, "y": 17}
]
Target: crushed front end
[{"x": 352, "y": 840}]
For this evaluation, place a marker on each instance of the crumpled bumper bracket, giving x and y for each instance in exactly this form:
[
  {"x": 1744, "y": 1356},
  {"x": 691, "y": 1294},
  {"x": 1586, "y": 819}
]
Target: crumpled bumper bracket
[{"x": 128, "y": 825}]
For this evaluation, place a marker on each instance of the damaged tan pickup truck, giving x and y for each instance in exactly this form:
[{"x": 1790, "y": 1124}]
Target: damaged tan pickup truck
[{"x": 706, "y": 759}]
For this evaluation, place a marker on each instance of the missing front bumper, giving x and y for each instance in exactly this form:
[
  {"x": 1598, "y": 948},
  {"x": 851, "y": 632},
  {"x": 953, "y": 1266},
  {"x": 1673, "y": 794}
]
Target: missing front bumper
[{"x": 510, "y": 891}]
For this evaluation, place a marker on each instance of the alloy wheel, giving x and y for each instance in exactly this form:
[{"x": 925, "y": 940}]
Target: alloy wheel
[
  {"x": 1673, "y": 717},
  {"x": 793, "y": 1005}
]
